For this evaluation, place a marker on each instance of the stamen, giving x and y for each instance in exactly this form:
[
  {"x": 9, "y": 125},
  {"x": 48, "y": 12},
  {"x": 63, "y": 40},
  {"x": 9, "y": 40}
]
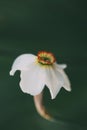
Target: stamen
[{"x": 46, "y": 58}]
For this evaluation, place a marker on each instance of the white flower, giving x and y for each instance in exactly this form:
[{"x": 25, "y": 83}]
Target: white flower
[{"x": 40, "y": 71}]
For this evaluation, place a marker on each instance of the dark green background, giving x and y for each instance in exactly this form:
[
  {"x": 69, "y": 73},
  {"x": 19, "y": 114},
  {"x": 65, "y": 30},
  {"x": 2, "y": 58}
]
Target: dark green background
[{"x": 59, "y": 26}]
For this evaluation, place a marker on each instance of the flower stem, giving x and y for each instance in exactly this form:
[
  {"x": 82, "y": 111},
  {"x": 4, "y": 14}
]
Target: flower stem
[{"x": 38, "y": 100}]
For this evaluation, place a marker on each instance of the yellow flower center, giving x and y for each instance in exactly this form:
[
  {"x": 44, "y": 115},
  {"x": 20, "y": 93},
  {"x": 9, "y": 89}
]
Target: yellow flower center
[{"x": 46, "y": 58}]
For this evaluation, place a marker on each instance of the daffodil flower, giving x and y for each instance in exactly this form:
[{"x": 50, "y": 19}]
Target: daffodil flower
[{"x": 40, "y": 71}]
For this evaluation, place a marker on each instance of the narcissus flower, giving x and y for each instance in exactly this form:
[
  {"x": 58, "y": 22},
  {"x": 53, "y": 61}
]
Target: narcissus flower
[{"x": 40, "y": 71}]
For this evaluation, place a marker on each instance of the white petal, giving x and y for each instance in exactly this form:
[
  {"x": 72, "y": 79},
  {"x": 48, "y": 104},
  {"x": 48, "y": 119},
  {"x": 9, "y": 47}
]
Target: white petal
[
  {"x": 66, "y": 84},
  {"x": 22, "y": 62},
  {"x": 54, "y": 81},
  {"x": 60, "y": 66},
  {"x": 32, "y": 81}
]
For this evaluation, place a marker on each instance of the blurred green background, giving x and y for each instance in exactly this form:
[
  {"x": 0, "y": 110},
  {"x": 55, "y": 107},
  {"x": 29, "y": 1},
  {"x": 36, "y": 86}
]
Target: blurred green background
[{"x": 59, "y": 26}]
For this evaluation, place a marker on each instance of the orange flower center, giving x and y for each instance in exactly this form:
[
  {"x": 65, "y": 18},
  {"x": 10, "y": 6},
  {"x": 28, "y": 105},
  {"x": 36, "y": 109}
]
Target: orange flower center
[{"x": 46, "y": 58}]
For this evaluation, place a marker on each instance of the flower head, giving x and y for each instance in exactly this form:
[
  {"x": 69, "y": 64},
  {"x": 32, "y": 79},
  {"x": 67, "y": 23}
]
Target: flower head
[{"x": 40, "y": 71}]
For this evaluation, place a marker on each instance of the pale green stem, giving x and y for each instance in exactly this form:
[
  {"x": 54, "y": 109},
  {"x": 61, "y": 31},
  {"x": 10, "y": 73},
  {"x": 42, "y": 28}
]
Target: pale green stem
[{"x": 38, "y": 100}]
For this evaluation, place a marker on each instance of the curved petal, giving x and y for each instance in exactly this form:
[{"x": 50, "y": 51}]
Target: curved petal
[
  {"x": 54, "y": 81},
  {"x": 22, "y": 62},
  {"x": 60, "y": 66},
  {"x": 32, "y": 80},
  {"x": 66, "y": 84}
]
